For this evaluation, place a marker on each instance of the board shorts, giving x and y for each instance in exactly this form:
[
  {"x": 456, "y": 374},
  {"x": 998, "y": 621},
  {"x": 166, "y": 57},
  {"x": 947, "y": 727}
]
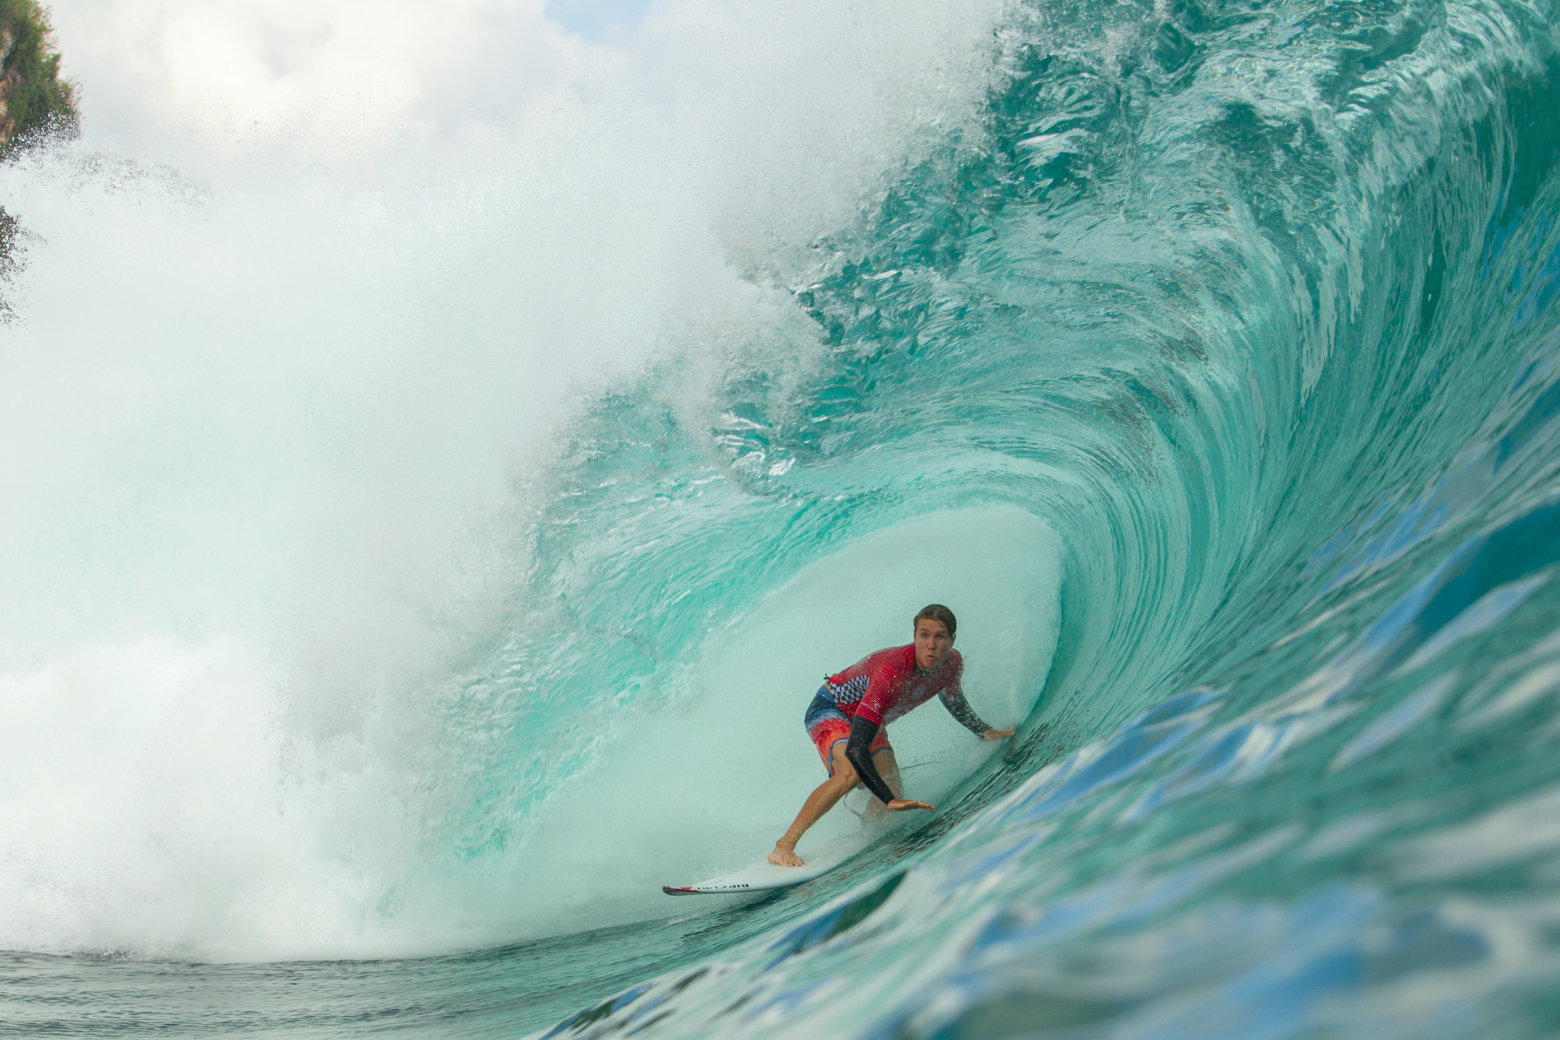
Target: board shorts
[{"x": 827, "y": 725}]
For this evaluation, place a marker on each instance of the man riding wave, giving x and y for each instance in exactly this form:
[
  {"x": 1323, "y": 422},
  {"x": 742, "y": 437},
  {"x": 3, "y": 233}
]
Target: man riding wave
[{"x": 847, "y": 716}]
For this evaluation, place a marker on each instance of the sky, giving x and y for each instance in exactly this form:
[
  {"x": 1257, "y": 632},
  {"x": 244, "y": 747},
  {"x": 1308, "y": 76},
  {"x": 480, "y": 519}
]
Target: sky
[
  {"x": 353, "y": 87},
  {"x": 192, "y": 81},
  {"x": 600, "y": 20}
]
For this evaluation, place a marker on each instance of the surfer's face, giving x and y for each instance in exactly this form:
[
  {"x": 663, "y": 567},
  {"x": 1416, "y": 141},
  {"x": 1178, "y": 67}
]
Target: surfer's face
[{"x": 932, "y": 643}]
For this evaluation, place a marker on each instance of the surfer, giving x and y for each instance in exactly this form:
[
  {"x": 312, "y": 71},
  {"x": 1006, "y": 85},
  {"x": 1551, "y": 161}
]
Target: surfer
[{"x": 846, "y": 718}]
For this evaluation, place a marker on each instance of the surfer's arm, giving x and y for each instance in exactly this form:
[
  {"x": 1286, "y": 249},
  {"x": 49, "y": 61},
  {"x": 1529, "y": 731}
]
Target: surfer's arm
[
  {"x": 858, "y": 752},
  {"x": 962, "y": 713},
  {"x": 965, "y": 715}
]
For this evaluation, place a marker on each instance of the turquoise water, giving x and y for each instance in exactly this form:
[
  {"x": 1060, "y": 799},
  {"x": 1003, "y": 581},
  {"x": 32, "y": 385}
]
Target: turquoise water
[{"x": 1206, "y": 362}]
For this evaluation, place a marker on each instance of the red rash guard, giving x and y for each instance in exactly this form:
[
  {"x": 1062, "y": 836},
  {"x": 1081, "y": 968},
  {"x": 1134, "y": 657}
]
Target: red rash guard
[
  {"x": 880, "y": 688},
  {"x": 886, "y": 684}
]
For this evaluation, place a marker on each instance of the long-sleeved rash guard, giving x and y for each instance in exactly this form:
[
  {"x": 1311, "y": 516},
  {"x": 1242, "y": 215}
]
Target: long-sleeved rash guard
[{"x": 885, "y": 685}]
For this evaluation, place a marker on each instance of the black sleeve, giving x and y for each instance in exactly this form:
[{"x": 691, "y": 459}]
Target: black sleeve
[
  {"x": 960, "y": 709},
  {"x": 861, "y": 733}
]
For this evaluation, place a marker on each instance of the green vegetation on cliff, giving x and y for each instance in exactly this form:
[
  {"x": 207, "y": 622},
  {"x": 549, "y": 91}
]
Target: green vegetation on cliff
[
  {"x": 32, "y": 95},
  {"x": 33, "y": 99}
]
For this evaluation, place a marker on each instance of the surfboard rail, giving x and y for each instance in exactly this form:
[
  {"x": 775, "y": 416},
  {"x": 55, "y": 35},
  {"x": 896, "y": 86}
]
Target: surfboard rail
[{"x": 766, "y": 876}]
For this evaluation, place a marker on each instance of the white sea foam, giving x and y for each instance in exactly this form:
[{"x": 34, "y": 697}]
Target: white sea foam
[{"x": 264, "y": 409}]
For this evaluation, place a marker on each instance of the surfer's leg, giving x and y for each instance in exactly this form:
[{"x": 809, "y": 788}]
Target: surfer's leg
[
  {"x": 888, "y": 769},
  {"x": 823, "y": 798}
]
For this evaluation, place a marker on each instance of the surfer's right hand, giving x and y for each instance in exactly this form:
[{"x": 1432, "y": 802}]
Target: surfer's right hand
[
  {"x": 901, "y": 804},
  {"x": 785, "y": 857}
]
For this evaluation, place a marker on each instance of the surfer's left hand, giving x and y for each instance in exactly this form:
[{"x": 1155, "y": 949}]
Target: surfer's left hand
[{"x": 996, "y": 734}]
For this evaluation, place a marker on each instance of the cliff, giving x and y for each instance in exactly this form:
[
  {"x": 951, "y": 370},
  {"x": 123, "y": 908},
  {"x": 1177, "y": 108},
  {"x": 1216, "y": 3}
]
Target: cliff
[
  {"x": 32, "y": 95},
  {"x": 33, "y": 99}
]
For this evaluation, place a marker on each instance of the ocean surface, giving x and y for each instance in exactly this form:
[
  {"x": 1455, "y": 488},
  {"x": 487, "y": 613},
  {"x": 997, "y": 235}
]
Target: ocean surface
[{"x": 404, "y": 579}]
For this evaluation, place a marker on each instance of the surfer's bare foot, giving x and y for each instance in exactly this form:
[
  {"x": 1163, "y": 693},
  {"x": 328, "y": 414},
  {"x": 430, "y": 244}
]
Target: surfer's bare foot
[{"x": 785, "y": 856}]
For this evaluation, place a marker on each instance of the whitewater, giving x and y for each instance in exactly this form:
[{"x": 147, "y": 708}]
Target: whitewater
[{"x": 419, "y": 540}]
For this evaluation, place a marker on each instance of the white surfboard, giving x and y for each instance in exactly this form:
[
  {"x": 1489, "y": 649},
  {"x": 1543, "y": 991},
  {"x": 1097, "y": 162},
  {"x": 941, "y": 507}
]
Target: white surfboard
[{"x": 817, "y": 860}]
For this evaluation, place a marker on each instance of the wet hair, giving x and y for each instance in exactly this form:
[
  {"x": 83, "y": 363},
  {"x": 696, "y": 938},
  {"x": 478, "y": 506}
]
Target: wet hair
[{"x": 937, "y": 612}]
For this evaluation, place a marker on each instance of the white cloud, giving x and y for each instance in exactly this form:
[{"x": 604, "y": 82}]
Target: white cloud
[
  {"x": 792, "y": 90},
  {"x": 190, "y": 81}
]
